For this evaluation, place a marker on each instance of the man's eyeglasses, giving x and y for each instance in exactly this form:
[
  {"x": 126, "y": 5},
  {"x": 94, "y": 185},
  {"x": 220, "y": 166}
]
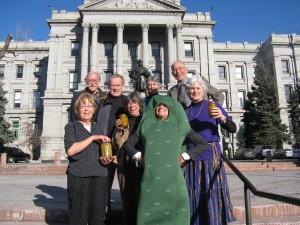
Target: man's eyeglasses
[
  {"x": 92, "y": 81},
  {"x": 86, "y": 107}
]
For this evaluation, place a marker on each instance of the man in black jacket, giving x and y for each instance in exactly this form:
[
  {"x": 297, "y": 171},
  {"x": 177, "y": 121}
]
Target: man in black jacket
[
  {"x": 92, "y": 81},
  {"x": 110, "y": 107}
]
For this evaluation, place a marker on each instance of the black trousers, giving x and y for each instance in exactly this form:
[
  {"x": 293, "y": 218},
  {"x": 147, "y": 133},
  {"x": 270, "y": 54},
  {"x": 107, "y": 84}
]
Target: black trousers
[
  {"x": 111, "y": 169},
  {"x": 87, "y": 197}
]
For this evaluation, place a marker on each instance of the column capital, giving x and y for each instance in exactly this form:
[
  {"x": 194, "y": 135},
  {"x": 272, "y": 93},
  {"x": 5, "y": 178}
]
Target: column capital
[
  {"x": 95, "y": 26},
  {"x": 145, "y": 26},
  {"x": 179, "y": 27},
  {"x": 170, "y": 26},
  {"x": 86, "y": 26},
  {"x": 120, "y": 26}
]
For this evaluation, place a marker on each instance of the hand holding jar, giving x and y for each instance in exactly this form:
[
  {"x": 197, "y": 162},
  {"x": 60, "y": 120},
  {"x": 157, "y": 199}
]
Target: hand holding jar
[{"x": 215, "y": 112}]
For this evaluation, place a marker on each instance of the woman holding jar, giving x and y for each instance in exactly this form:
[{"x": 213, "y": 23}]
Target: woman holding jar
[
  {"x": 86, "y": 172},
  {"x": 130, "y": 176},
  {"x": 206, "y": 177}
]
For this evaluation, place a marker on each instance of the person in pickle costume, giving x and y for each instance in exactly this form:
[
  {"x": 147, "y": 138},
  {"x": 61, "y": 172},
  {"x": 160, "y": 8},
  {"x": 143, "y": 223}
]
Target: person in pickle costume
[{"x": 163, "y": 131}]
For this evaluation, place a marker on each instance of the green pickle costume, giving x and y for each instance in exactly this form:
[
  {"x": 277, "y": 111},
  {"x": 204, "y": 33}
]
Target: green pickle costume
[{"x": 163, "y": 198}]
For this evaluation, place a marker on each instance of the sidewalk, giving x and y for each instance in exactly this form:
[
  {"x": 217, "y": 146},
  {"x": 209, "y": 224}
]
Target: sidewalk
[{"x": 43, "y": 198}]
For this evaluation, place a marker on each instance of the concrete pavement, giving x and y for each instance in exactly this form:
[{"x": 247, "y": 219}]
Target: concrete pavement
[{"x": 43, "y": 198}]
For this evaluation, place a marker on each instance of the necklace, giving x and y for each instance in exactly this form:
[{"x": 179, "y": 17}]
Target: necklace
[{"x": 192, "y": 114}]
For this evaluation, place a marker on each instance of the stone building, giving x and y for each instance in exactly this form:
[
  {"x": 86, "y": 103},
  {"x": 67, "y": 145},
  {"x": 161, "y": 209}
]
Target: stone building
[{"x": 109, "y": 36}]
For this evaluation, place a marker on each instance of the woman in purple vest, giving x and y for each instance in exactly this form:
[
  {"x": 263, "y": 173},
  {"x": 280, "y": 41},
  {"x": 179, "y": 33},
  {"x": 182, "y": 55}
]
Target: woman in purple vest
[{"x": 206, "y": 178}]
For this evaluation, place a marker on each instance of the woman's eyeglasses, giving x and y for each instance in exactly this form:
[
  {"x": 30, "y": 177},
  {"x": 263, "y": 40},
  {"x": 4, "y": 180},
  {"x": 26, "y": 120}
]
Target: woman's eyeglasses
[{"x": 86, "y": 107}]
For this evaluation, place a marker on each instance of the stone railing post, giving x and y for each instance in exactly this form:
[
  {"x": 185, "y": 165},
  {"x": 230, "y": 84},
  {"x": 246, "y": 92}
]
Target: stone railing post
[
  {"x": 3, "y": 158},
  {"x": 57, "y": 158}
]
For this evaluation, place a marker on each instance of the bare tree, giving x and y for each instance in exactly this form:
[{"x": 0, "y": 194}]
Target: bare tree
[
  {"x": 33, "y": 138},
  {"x": 7, "y": 42}
]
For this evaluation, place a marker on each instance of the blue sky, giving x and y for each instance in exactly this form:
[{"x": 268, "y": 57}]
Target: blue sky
[{"x": 237, "y": 20}]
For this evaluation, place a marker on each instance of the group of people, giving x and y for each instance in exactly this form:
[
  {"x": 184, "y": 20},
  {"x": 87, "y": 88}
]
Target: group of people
[{"x": 167, "y": 159}]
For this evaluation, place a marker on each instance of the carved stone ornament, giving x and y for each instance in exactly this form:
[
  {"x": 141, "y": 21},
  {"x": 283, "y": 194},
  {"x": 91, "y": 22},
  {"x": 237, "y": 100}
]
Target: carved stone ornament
[{"x": 133, "y": 4}]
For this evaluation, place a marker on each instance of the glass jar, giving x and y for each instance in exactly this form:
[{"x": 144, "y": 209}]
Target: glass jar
[
  {"x": 124, "y": 120},
  {"x": 211, "y": 105},
  {"x": 106, "y": 150}
]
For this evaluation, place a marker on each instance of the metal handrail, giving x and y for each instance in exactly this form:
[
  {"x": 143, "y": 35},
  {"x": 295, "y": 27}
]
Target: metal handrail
[{"x": 248, "y": 186}]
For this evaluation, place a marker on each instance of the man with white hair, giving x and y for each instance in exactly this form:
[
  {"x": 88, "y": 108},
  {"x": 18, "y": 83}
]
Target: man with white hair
[
  {"x": 179, "y": 71},
  {"x": 92, "y": 81}
]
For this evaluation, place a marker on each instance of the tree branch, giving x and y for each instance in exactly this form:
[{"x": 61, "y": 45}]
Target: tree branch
[{"x": 3, "y": 51}]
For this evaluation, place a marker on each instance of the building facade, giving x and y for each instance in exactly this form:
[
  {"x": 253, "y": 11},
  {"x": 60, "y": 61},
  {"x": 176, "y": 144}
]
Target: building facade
[{"x": 109, "y": 36}]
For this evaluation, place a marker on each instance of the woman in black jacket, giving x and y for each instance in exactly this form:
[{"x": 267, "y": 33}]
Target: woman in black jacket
[{"x": 87, "y": 174}]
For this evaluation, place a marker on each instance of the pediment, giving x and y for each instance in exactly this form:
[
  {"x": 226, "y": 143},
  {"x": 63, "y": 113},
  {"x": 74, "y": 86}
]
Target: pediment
[{"x": 131, "y": 5}]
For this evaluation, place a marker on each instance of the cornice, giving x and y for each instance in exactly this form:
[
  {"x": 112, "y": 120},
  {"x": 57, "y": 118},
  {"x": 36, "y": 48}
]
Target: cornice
[
  {"x": 131, "y": 13},
  {"x": 197, "y": 25}
]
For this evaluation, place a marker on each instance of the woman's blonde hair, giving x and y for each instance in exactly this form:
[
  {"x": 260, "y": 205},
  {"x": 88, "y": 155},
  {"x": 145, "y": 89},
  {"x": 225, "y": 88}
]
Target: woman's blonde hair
[{"x": 82, "y": 99}]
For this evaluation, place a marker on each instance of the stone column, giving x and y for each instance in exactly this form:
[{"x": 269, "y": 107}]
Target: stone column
[
  {"x": 171, "y": 79},
  {"x": 85, "y": 51},
  {"x": 210, "y": 56},
  {"x": 95, "y": 28},
  {"x": 59, "y": 63},
  {"x": 203, "y": 55},
  {"x": 51, "y": 63},
  {"x": 120, "y": 29},
  {"x": 145, "y": 28},
  {"x": 179, "y": 42}
]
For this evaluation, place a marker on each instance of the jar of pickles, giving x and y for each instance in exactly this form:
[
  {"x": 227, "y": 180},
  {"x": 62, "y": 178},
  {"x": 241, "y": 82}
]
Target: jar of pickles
[
  {"x": 106, "y": 150},
  {"x": 124, "y": 120},
  {"x": 211, "y": 105}
]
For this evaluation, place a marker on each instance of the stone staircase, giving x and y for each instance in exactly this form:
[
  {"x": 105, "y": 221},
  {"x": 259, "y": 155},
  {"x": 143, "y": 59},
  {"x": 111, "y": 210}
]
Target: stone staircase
[
  {"x": 249, "y": 166},
  {"x": 60, "y": 168},
  {"x": 271, "y": 213}
]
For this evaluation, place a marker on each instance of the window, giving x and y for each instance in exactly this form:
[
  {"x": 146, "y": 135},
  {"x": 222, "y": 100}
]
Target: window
[
  {"x": 285, "y": 66},
  {"x": 15, "y": 129},
  {"x": 188, "y": 49},
  {"x": 107, "y": 75},
  {"x": 157, "y": 74},
  {"x": 155, "y": 47},
  {"x": 225, "y": 103},
  {"x": 36, "y": 99},
  {"x": 287, "y": 92},
  {"x": 239, "y": 72},
  {"x": 2, "y": 67},
  {"x": 241, "y": 96},
  {"x": 132, "y": 49},
  {"x": 75, "y": 48},
  {"x": 74, "y": 80},
  {"x": 108, "y": 49},
  {"x": 38, "y": 70},
  {"x": 222, "y": 72},
  {"x": 17, "y": 99},
  {"x": 19, "y": 72}
]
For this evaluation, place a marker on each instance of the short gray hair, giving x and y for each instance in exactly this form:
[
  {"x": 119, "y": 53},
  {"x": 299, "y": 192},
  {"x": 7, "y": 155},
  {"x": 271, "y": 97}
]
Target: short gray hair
[
  {"x": 154, "y": 79},
  {"x": 196, "y": 79},
  {"x": 134, "y": 97},
  {"x": 114, "y": 76},
  {"x": 90, "y": 73}
]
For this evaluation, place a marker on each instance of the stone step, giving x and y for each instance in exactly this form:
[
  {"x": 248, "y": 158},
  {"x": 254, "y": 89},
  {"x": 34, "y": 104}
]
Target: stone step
[
  {"x": 57, "y": 169},
  {"x": 266, "y": 221},
  {"x": 60, "y": 215}
]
